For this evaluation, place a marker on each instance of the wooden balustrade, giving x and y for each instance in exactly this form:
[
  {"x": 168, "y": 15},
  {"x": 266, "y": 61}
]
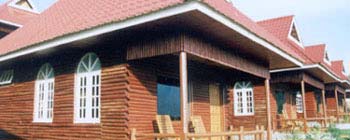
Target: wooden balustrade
[{"x": 258, "y": 134}]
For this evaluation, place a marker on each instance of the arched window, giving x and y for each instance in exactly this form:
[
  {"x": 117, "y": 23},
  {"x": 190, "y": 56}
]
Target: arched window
[
  {"x": 44, "y": 94},
  {"x": 299, "y": 102},
  {"x": 243, "y": 99},
  {"x": 87, "y": 90}
]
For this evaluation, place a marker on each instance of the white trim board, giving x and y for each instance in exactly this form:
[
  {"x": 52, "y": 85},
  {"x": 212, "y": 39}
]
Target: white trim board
[
  {"x": 290, "y": 37},
  {"x": 10, "y": 23},
  {"x": 188, "y": 6}
]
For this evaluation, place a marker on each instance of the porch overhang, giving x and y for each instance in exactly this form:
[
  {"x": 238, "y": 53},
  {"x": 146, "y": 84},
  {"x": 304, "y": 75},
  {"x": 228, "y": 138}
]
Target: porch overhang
[
  {"x": 316, "y": 70},
  {"x": 196, "y": 47},
  {"x": 296, "y": 77},
  {"x": 335, "y": 87},
  {"x": 192, "y": 14}
]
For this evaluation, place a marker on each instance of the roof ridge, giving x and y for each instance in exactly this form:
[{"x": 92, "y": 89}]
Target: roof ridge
[
  {"x": 316, "y": 45},
  {"x": 275, "y": 18}
]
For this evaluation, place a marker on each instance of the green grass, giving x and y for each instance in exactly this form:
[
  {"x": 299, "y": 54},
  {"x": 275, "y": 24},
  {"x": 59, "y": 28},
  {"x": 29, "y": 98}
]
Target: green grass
[{"x": 344, "y": 135}]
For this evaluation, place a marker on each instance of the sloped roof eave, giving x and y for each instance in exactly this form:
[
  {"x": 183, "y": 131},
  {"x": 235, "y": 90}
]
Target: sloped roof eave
[{"x": 92, "y": 32}]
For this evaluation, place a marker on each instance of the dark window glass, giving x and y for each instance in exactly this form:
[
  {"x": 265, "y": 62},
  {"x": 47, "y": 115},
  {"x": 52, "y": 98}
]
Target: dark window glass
[
  {"x": 318, "y": 100},
  {"x": 280, "y": 101},
  {"x": 168, "y": 93}
]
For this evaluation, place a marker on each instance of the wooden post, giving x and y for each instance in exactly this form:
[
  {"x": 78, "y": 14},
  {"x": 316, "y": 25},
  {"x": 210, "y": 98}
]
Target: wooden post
[
  {"x": 336, "y": 101},
  {"x": 324, "y": 107},
  {"x": 183, "y": 94},
  {"x": 268, "y": 109},
  {"x": 345, "y": 106},
  {"x": 256, "y": 136},
  {"x": 133, "y": 134},
  {"x": 303, "y": 94},
  {"x": 241, "y": 133},
  {"x": 231, "y": 130}
]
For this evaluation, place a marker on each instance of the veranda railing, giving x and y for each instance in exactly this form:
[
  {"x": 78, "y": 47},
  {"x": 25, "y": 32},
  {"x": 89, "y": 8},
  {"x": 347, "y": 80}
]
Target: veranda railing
[{"x": 258, "y": 134}]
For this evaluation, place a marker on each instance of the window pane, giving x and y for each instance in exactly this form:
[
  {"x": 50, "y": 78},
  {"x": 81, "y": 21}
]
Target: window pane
[{"x": 168, "y": 93}]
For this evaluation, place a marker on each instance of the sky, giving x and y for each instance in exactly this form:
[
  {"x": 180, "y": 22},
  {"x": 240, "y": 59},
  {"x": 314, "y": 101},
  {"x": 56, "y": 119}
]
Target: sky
[{"x": 318, "y": 21}]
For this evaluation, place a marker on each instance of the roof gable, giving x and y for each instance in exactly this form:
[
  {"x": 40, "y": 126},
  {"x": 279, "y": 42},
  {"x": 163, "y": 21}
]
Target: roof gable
[
  {"x": 338, "y": 67},
  {"x": 293, "y": 34},
  {"x": 26, "y": 5},
  {"x": 284, "y": 28},
  {"x": 279, "y": 27},
  {"x": 318, "y": 53}
]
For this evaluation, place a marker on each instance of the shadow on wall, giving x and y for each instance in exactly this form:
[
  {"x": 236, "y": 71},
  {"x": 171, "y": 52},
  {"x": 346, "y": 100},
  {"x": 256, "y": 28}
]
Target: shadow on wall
[{"x": 4, "y": 135}]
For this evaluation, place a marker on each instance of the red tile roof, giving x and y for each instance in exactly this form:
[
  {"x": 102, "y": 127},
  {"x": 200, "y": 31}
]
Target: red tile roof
[
  {"x": 310, "y": 54},
  {"x": 72, "y": 16},
  {"x": 232, "y": 12},
  {"x": 316, "y": 52},
  {"x": 280, "y": 27},
  {"x": 338, "y": 67}
]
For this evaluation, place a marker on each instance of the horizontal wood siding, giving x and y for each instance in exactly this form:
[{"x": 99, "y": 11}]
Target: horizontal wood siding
[
  {"x": 200, "y": 102},
  {"x": 331, "y": 103},
  {"x": 17, "y": 100},
  {"x": 311, "y": 105},
  {"x": 143, "y": 92},
  {"x": 249, "y": 122}
]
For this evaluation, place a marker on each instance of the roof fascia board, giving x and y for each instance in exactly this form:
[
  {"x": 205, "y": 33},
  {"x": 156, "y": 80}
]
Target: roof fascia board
[
  {"x": 309, "y": 67},
  {"x": 324, "y": 56},
  {"x": 10, "y": 23},
  {"x": 188, "y": 6}
]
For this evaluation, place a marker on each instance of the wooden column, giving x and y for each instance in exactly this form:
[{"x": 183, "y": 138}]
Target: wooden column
[
  {"x": 336, "y": 102},
  {"x": 183, "y": 93},
  {"x": 324, "y": 106},
  {"x": 268, "y": 109},
  {"x": 303, "y": 94},
  {"x": 345, "y": 106}
]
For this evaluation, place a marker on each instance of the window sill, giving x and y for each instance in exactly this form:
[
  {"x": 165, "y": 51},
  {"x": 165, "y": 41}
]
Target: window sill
[
  {"x": 42, "y": 122},
  {"x": 245, "y": 115}
]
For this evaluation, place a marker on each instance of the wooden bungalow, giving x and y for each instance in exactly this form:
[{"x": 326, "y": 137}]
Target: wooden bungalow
[
  {"x": 99, "y": 77},
  {"x": 300, "y": 94},
  {"x": 107, "y": 69}
]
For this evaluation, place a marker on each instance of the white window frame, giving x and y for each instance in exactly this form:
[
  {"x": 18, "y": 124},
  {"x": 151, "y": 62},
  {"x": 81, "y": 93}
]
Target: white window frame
[
  {"x": 299, "y": 103},
  {"x": 89, "y": 97},
  {"x": 44, "y": 89},
  {"x": 326, "y": 57},
  {"x": 245, "y": 88},
  {"x": 6, "y": 77},
  {"x": 290, "y": 37}
]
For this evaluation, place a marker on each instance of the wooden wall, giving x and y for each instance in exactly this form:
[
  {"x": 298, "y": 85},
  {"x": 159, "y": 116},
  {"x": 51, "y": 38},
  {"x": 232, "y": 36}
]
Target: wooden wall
[
  {"x": 162, "y": 44},
  {"x": 128, "y": 92},
  {"x": 249, "y": 122},
  {"x": 143, "y": 100},
  {"x": 311, "y": 105},
  {"x": 331, "y": 103},
  {"x": 16, "y": 100}
]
